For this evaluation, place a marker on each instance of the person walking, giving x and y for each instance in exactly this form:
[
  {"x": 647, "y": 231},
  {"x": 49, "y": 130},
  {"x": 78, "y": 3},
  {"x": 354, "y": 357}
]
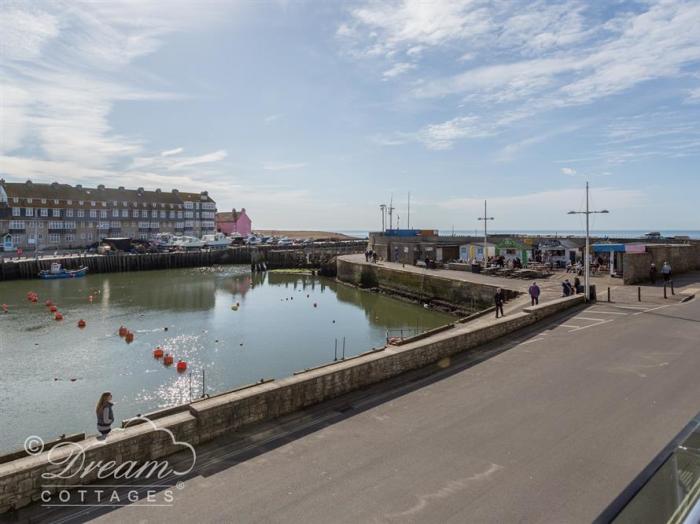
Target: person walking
[
  {"x": 534, "y": 291},
  {"x": 666, "y": 271},
  {"x": 652, "y": 273},
  {"x": 105, "y": 415},
  {"x": 498, "y": 299}
]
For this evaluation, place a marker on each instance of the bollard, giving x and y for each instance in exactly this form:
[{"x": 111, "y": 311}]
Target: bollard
[
  {"x": 335, "y": 352},
  {"x": 673, "y": 291},
  {"x": 665, "y": 290},
  {"x": 204, "y": 384},
  {"x": 608, "y": 294},
  {"x": 343, "y": 348},
  {"x": 639, "y": 293}
]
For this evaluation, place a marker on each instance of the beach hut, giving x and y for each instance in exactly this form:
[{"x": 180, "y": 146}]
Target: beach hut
[
  {"x": 475, "y": 250},
  {"x": 510, "y": 249}
]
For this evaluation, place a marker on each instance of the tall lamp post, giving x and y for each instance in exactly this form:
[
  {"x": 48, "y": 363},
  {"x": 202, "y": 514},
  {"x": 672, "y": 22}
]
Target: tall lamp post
[
  {"x": 485, "y": 218},
  {"x": 586, "y": 261}
]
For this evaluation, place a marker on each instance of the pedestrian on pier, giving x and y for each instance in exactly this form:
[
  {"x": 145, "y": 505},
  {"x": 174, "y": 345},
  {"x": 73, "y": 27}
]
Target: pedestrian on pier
[
  {"x": 498, "y": 299},
  {"x": 534, "y": 291},
  {"x": 652, "y": 273},
  {"x": 367, "y": 255},
  {"x": 105, "y": 415},
  {"x": 666, "y": 271},
  {"x": 374, "y": 256}
]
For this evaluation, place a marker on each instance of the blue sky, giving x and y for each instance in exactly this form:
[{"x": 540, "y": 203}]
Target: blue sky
[{"x": 311, "y": 114}]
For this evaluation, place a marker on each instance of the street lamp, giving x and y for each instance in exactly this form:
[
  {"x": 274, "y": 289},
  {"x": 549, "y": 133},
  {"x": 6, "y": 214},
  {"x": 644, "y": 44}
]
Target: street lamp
[
  {"x": 485, "y": 218},
  {"x": 586, "y": 262}
]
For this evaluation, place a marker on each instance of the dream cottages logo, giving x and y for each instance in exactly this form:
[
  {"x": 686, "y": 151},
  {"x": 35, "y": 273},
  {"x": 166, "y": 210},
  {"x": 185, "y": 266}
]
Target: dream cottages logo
[{"x": 143, "y": 483}]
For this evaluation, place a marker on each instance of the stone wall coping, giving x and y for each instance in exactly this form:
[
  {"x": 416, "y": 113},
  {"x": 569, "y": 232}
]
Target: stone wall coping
[{"x": 554, "y": 303}]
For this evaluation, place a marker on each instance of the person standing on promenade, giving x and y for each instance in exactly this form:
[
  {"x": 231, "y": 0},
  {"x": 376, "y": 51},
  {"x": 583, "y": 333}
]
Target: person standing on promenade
[
  {"x": 534, "y": 291},
  {"x": 652, "y": 273},
  {"x": 666, "y": 271},
  {"x": 498, "y": 299},
  {"x": 105, "y": 415}
]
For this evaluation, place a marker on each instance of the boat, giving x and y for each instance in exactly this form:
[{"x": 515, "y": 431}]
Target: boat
[
  {"x": 252, "y": 240},
  {"x": 57, "y": 272},
  {"x": 185, "y": 242},
  {"x": 216, "y": 241},
  {"x": 165, "y": 240}
]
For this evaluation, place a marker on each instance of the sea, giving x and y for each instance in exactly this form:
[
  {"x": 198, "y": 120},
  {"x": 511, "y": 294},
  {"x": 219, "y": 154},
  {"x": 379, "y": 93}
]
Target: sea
[{"x": 599, "y": 233}]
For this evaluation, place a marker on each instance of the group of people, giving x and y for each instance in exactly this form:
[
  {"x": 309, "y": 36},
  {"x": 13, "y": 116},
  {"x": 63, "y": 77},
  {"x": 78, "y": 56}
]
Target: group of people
[
  {"x": 371, "y": 256},
  {"x": 569, "y": 289},
  {"x": 665, "y": 271},
  {"x": 501, "y": 262}
]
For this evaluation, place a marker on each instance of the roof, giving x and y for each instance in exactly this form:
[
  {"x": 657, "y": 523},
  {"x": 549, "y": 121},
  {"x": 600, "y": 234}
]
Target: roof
[
  {"x": 56, "y": 191},
  {"x": 231, "y": 216}
]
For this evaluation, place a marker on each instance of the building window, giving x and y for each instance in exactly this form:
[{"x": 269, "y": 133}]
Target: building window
[
  {"x": 163, "y": 214},
  {"x": 43, "y": 201},
  {"x": 69, "y": 213},
  {"x": 125, "y": 213},
  {"x": 44, "y": 212},
  {"x": 56, "y": 212},
  {"x": 115, "y": 203},
  {"x": 55, "y": 202},
  {"x": 16, "y": 224},
  {"x": 115, "y": 213},
  {"x": 69, "y": 202},
  {"x": 69, "y": 238},
  {"x": 93, "y": 213},
  {"x": 81, "y": 213},
  {"x": 103, "y": 225},
  {"x": 103, "y": 213},
  {"x": 92, "y": 203},
  {"x": 29, "y": 211},
  {"x": 54, "y": 238},
  {"x": 136, "y": 213},
  {"x": 89, "y": 237},
  {"x": 82, "y": 236},
  {"x": 125, "y": 203},
  {"x": 116, "y": 225},
  {"x": 16, "y": 212},
  {"x": 29, "y": 201},
  {"x": 81, "y": 202},
  {"x": 15, "y": 200}
]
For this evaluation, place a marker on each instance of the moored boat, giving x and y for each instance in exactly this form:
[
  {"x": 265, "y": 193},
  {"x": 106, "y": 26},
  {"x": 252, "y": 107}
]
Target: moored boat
[
  {"x": 216, "y": 241},
  {"x": 57, "y": 272}
]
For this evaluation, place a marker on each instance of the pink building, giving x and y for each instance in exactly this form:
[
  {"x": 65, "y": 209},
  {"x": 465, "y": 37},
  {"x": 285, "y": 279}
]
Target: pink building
[{"x": 234, "y": 222}]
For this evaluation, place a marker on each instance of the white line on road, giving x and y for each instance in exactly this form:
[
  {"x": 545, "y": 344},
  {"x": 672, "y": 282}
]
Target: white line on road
[
  {"x": 531, "y": 341},
  {"x": 592, "y": 325},
  {"x": 652, "y": 309},
  {"x": 599, "y": 312},
  {"x": 568, "y": 326},
  {"x": 594, "y": 319},
  {"x": 629, "y": 307}
]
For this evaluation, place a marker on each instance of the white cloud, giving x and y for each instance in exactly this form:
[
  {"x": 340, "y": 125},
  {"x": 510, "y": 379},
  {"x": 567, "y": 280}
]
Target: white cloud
[
  {"x": 398, "y": 69},
  {"x": 272, "y": 118},
  {"x": 202, "y": 159},
  {"x": 171, "y": 152},
  {"x": 283, "y": 166},
  {"x": 568, "y": 171},
  {"x": 444, "y": 135}
]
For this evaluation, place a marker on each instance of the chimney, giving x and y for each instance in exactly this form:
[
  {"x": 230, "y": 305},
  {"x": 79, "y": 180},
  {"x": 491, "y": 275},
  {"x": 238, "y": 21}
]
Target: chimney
[
  {"x": 205, "y": 193},
  {"x": 29, "y": 182},
  {"x": 54, "y": 185},
  {"x": 243, "y": 210},
  {"x": 79, "y": 187},
  {"x": 157, "y": 190},
  {"x": 175, "y": 191}
]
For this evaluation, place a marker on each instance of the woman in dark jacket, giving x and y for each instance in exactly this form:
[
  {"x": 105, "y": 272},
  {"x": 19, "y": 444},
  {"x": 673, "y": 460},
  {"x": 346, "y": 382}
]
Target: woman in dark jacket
[
  {"x": 105, "y": 416},
  {"x": 498, "y": 299}
]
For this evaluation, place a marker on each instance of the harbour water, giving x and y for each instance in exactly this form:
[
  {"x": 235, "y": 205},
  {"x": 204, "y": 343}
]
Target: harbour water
[{"x": 53, "y": 372}]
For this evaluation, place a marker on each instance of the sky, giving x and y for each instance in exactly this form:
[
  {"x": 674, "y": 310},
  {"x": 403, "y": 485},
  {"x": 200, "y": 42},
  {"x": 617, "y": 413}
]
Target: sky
[{"x": 310, "y": 114}]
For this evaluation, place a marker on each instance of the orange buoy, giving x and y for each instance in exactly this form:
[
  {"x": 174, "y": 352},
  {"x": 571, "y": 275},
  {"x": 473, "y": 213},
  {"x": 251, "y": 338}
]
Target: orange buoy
[
  {"x": 53, "y": 309},
  {"x": 158, "y": 353},
  {"x": 129, "y": 337},
  {"x": 168, "y": 359},
  {"x": 122, "y": 331},
  {"x": 81, "y": 323},
  {"x": 181, "y": 366},
  {"x": 58, "y": 316}
]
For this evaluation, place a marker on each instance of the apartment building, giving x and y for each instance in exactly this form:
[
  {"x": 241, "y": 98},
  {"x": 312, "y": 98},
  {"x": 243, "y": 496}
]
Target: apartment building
[{"x": 53, "y": 216}]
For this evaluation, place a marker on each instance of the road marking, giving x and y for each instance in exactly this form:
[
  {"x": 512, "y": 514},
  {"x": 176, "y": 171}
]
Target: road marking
[
  {"x": 592, "y": 325},
  {"x": 637, "y": 308},
  {"x": 594, "y": 319},
  {"x": 599, "y": 312},
  {"x": 531, "y": 341},
  {"x": 568, "y": 326},
  {"x": 652, "y": 309}
]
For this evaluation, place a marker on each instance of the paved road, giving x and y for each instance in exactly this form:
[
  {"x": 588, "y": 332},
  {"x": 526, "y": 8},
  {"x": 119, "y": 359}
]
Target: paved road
[{"x": 547, "y": 427}]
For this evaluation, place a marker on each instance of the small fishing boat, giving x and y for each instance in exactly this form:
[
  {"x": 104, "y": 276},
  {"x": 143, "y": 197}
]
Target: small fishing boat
[
  {"x": 216, "y": 241},
  {"x": 57, "y": 271}
]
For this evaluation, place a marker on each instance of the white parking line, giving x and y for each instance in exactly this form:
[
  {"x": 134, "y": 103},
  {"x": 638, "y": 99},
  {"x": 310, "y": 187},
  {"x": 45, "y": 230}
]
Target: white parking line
[
  {"x": 531, "y": 341},
  {"x": 600, "y": 312},
  {"x": 652, "y": 309},
  {"x": 594, "y": 319},
  {"x": 569, "y": 326},
  {"x": 637, "y": 308},
  {"x": 592, "y": 325}
]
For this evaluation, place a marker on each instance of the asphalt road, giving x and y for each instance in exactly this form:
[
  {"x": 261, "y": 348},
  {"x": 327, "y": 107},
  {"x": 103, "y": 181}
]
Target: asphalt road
[{"x": 547, "y": 427}]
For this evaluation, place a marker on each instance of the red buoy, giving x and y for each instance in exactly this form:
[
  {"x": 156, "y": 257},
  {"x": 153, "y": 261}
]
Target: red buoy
[
  {"x": 58, "y": 316},
  {"x": 81, "y": 323},
  {"x": 158, "y": 352},
  {"x": 181, "y": 366},
  {"x": 129, "y": 337},
  {"x": 122, "y": 331},
  {"x": 53, "y": 309},
  {"x": 49, "y": 303},
  {"x": 168, "y": 359}
]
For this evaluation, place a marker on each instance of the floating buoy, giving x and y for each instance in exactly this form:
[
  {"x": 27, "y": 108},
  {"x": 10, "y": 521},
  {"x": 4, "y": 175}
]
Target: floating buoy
[
  {"x": 58, "y": 316},
  {"x": 168, "y": 359},
  {"x": 53, "y": 309},
  {"x": 90, "y": 298},
  {"x": 81, "y": 323},
  {"x": 4, "y": 308},
  {"x": 48, "y": 303},
  {"x": 129, "y": 337},
  {"x": 73, "y": 379},
  {"x": 35, "y": 299},
  {"x": 122, "y": 331},
  {"x": 315, "y": 305},
  {"x": 234, "y": 307},
  {"x": 238, "y": 304},
  {"x": 181, "y": 366},
  {"x": 158, "y": 352}
]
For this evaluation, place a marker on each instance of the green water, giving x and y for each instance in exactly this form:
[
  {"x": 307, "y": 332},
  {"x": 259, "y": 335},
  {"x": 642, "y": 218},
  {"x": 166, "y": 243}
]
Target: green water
[{"x": 53, "y": 372}]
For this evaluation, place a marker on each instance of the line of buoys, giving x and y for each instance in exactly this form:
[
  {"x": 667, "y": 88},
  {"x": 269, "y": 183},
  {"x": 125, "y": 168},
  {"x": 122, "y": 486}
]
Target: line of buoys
[
  {"x": 81, "y": 323},
  {"x": 32, "y": 296}
]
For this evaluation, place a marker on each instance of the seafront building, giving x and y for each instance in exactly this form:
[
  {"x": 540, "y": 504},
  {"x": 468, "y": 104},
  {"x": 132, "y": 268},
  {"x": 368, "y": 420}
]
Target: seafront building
[
  {"x": 235, "y": 222},
  {"x": 61, "y": 216}
]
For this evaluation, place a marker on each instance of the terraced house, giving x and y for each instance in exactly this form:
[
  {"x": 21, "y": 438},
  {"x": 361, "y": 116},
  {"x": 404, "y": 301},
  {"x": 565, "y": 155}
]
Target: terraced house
[{"x": 51, "y": 216}]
